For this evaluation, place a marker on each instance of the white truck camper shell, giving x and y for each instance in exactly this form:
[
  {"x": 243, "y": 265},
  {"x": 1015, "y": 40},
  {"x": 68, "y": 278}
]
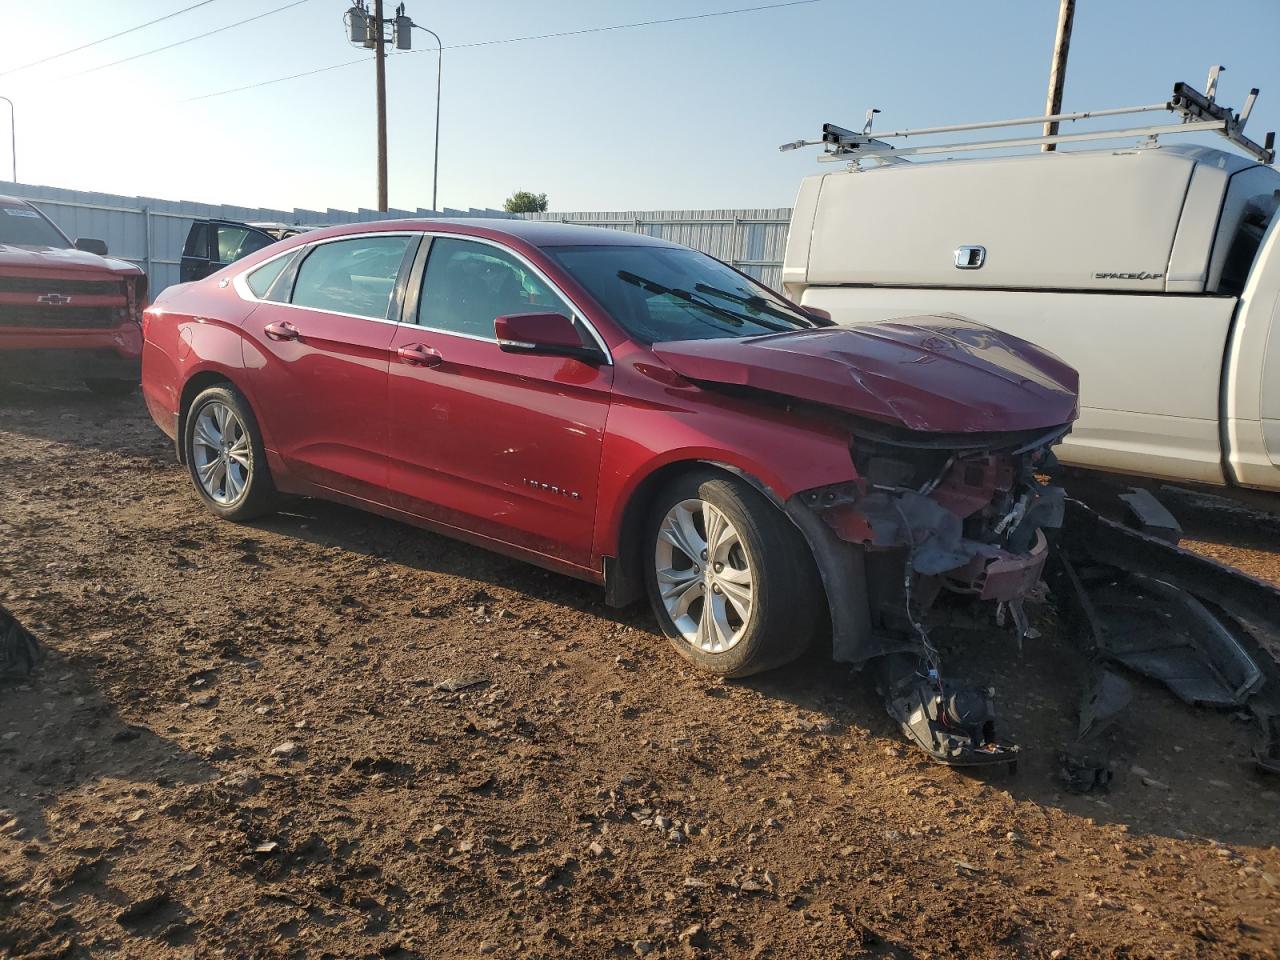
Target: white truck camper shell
[{"x": 1153, "y": 269}]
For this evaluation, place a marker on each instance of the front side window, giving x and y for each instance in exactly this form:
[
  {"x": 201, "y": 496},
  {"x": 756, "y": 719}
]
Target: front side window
[
  {"x": 356, "y": 276},
  {"x": 662, "y": 294},
  {"x": 23, "y": 226},
  {"x": 467, "y": 285}
]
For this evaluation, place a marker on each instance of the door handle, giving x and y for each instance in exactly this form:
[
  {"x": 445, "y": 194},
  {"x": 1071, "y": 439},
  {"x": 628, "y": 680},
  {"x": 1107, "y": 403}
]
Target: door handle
[
  {"x": 284, "y": 330},
  {"x": 419, "y": 355}
]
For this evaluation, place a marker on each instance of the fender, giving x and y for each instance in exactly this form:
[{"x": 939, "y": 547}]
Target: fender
[{"x": 783, "y": 451}]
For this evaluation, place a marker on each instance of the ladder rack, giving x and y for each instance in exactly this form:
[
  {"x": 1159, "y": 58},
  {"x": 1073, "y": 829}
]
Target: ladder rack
[{"x": 1199, "y": 112}]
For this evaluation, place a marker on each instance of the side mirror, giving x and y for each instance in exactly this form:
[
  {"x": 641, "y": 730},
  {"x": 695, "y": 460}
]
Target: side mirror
[
  {"x": 545, "y": 334},
  {"x": 823, "y": 316},
  {"x": 89, "y": 245}
]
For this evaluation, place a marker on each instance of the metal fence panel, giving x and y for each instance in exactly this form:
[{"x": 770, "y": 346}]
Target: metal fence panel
[
  {"x": 752, "y": 240},
  {"x": 151, "y": 232}
]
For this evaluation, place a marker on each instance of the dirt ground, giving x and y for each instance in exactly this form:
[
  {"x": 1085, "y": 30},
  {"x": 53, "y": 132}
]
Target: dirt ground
[{"x": 330, "y": 735}]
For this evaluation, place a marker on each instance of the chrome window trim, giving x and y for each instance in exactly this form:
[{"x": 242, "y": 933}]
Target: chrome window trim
[{"x": 241, "y": 284}]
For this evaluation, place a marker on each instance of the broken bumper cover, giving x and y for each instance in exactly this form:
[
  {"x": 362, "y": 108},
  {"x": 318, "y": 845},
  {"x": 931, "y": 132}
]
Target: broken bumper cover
[{"x": 843, "y": 526}]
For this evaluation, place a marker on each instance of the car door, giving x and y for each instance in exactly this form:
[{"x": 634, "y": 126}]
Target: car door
[
  {"x": 503, "y": 445},
  {"x": 317, "y": 362},
  {"x": 195, "y": 253}
]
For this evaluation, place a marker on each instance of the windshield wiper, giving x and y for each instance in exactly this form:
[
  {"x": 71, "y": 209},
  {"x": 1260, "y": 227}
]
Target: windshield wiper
[
  {"x": 654, "y": 287},
  {"x": 754, "y": 302}
]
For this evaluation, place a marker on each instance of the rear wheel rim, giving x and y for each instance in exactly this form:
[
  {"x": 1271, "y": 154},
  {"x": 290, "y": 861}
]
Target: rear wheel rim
[
  {"x": 221, "y": 454},
  {"x": 706, "y": 579}
]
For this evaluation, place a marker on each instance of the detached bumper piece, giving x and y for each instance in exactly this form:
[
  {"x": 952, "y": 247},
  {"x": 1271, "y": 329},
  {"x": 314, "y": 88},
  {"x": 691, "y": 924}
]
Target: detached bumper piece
[
  {"x": 954, "y": 725},
  {"x": 1135, "y": 599}
]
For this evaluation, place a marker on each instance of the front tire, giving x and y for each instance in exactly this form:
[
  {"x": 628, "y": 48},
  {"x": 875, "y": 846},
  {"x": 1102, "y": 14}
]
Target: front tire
[
  {"x": 730, "y": 579},
  {"x": 225, "y": 456}
]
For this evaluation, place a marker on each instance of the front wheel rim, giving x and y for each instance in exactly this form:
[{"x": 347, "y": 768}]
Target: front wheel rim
[
  {"x": 221, "y": 453},
  {"x": 706, "y": 580}
]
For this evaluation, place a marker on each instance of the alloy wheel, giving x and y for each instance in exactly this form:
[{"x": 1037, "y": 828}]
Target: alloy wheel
[
  {"x": 705, "y": 575},
  {"x": 221, "y": 453}
]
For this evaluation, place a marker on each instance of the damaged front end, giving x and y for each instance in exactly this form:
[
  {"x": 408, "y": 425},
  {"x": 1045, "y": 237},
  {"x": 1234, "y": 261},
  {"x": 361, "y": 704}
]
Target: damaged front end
[{"x": 948, "y": 534}]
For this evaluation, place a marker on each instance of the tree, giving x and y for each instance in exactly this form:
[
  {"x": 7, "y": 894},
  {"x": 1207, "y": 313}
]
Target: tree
[{"x": 522, "y": 201}]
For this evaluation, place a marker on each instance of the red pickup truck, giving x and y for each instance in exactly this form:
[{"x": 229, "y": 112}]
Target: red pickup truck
[{"x": 67, "y": 310}]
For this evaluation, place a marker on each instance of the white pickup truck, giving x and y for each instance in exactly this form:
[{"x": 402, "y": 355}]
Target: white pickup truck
[{"x": 1155, "y": 271}]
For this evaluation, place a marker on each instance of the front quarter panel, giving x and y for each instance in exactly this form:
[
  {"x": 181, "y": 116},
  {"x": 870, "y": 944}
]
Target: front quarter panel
[{"x": 658, "y": 419}]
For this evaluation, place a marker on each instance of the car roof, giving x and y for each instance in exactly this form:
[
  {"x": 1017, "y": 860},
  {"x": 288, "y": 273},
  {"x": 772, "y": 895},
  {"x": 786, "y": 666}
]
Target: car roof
[
  {"x": 12, "y": 202},
  {"x": 536, "y": 233}
]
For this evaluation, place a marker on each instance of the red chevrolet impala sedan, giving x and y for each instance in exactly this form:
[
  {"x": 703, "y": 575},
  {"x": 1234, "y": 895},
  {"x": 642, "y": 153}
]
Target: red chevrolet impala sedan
[{"x": 628, "y": 411}]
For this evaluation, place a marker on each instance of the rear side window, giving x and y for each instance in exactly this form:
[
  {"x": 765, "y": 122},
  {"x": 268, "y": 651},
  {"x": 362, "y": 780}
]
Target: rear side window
[
  {"x": 1248, "y": 210},
  {"x": 356, "y": 276},
  {"x": 260, "y": 280},
  {"x": 467, "y": 285},
  {"x": 1258, "y": 213},
  {"x": 237, "y": 242}
]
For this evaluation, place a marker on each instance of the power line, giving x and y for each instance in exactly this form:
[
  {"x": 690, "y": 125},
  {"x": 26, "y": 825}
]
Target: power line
[
  {"x": 542, "y": 36},
  {"x": 627, "y": 26},
  {"x": 178, "y": 43},
  {"x": 94, "y": 43},
  {"x": 265, "y": 83}
]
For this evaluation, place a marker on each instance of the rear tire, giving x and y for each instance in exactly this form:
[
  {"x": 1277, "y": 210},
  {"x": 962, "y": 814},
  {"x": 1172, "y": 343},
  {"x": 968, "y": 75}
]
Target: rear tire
[
  {"x": 111, "y": 388},
  {"x": 225, "y": 457},
  {"x": 714, "y": 538}
]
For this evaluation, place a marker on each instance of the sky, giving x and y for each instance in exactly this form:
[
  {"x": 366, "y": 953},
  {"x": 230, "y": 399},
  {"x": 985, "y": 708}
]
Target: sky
[{"x": 684, "y": 115}]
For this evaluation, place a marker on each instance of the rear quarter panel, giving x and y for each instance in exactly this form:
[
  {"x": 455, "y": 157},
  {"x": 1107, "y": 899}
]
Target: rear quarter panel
[{"x": 191, "y": 329}]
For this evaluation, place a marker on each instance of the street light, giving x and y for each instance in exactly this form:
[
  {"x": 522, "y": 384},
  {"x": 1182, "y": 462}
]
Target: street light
[
  {"x": 435, "y": 163},
  {"x": 13, "y": 138}
]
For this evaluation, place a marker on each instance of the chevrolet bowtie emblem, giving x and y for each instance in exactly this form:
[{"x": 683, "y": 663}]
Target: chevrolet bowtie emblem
[{"x": 54, "y": 299}]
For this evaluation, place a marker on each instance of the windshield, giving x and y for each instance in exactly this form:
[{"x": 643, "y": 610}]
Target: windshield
[
  {"x": 660, "y": 294},
  {"x": 24, "y": 227}
]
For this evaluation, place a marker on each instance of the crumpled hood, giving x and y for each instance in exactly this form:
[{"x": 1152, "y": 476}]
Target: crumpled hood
[
  {"x": 25, "y": 259},
  {"x": 934, "y": 374}
]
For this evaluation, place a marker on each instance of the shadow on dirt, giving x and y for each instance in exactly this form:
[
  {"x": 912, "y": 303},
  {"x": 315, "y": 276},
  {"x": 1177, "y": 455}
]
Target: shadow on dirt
[
  {"x": 64, "y": 748},
  {"x": 77, "y": 417},
  {"x": 60, "y": 734}
]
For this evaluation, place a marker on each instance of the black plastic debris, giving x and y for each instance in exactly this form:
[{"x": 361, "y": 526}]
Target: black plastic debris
[
  {"x": 20, "y": 653},
  {"x": 1207, "y": 631},
  {"x": 953, "y": 724},
  {"x": 1168, "y": 635},
  {"x": 1150, "y": 516}
]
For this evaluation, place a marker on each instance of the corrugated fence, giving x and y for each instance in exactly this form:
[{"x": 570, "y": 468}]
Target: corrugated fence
[
  {"x": 751, "y": 240},
  {"x": 151, "y": 232}
]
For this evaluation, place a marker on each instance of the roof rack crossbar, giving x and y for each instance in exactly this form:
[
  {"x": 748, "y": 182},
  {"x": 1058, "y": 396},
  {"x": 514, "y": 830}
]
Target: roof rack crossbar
[{"x": 1199, "y": 112}]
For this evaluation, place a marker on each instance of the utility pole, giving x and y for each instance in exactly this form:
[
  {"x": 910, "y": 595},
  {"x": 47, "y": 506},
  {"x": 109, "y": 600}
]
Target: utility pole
[
  {"x": 369, "y": 30},
  {"x": 1058, "y": 69},
  {"x": 380, "y": 56}
]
